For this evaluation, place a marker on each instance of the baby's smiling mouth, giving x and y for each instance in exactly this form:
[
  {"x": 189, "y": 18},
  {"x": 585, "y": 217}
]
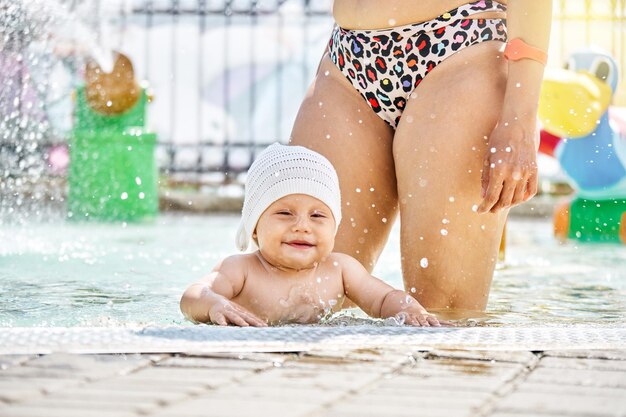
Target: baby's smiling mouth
[{"x": 300, "y": 244}]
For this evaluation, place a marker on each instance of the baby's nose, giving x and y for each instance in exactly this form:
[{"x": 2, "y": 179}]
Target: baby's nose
[{"x": 302, "y": 223}]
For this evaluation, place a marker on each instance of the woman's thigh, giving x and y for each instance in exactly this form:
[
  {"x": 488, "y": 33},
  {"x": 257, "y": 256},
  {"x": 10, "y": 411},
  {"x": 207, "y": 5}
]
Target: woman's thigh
[
  {"x": 448, "y": 250},
  {"x": 337, "y": 122}
]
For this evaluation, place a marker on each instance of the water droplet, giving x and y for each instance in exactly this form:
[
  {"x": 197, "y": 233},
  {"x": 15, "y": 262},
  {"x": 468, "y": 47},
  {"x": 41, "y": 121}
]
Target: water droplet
[
  {"x": 451, "y": 199},
  {"x": 413, "y": 290},
  {"x": 124, "y": 195},
  {"x": 424, "y": 262},
  {"x": 444, "y": 232},
  {"x": 358, "y": 190},
  {"x": 475, "y": 208},
  {"x": 137, "y": 180},
  {"x": 384, "y": 219},
  {"x": 423, "y": 182},
  {"x": 493, "y": 150},
  {"x": 392, "y": 22},
  {"x": 142, "y": 195},
  {"x": 445, "y": 221},
  {"x": 326, "y": 73},
  {"x": 372, "y": 189},
  {"x": 507, "y": 149}
]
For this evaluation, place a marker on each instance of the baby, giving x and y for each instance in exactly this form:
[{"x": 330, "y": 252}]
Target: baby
[{"x": 291, "y": 212}]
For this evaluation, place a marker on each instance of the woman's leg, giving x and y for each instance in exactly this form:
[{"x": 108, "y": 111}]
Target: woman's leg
[
  {"x": 336, "y": 121},
  {"x": 448, "y": 250}
]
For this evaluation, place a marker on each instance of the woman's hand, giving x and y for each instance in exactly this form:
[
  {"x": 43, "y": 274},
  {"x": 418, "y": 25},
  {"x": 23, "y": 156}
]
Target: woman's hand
[
  {"x": 510, "y": 167},
  {"x": 226, "y": 312}
]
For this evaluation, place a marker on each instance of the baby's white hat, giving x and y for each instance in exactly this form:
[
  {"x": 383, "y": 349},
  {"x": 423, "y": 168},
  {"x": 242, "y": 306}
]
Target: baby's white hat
[{"x": 282, "y": 170}]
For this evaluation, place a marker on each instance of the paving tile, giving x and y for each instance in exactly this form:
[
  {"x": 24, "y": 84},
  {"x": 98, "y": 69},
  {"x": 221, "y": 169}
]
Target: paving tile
[
  {"x": 151, "y": 387},
  {"x": 450, "y": 382},
  {"x": 522, "y": 357},
  {"x": 20, "y": 410},
  {"x": 425, "y": 391},
  {"x": 583, "y": 363},
  {"x": 185, "y": 377},
  {"x": 20, "y": 389},
  {"x": 582, "y": 377},
  {"x": 314, "y": 378},
  {"x": 431, "y": 401},
  {"x": 27, "y": 372},
  {"x": 269, "y": 392},
  {"x": 595, "y": 354},
  {"x": 568, "y": 390},
  {"x": 216, "y": 363},
  {"x": 538, "y": 403},
  {"x": 245, "y": 356},
  {"x": 91, "y": 366},
  {"x": 7, "y": 361},
  {"x": 86, "y": 404},
  {"x": 522, "y": 414},
  {"x": 91, "y": 392},
  {"x": 398, "y": 355},
  {"x": 447, "y": 367},
  {"x": 336, "y": 364},
  {"x": 394, "y": 410},
  {"x": 243, "y": 407}
]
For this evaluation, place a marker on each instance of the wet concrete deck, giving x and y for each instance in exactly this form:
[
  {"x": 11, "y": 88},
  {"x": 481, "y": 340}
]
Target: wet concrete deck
[{"x": 390, "y": 380}]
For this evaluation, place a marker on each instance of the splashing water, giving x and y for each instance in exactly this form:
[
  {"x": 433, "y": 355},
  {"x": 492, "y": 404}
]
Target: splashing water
[{"x": 38, "y": 38}]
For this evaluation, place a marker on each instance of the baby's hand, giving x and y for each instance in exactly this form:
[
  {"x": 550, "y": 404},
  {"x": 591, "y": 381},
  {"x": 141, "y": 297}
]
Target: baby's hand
[
  {"x": 227, "y": 312},
  {"x": 418, "y": 318}
]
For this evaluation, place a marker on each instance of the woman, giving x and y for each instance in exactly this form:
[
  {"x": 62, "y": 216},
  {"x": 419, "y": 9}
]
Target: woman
[{"x": 431, "y": 121}]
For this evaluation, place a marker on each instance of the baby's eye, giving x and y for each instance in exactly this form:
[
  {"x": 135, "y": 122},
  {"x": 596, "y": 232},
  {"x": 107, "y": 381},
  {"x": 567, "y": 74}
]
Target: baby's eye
[
  {"x": 284, "y": 213},
  {"x": 318, "y": 215}
]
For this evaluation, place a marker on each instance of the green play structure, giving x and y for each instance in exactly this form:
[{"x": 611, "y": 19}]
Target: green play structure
[{"x": 112, "y": 174}]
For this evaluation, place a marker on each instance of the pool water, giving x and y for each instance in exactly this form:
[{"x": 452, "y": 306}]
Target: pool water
[{"x": 72, "y": 274}]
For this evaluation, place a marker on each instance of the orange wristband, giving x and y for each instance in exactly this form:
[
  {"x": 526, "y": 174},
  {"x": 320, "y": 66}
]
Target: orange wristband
[{"x": 517, "y": 49}]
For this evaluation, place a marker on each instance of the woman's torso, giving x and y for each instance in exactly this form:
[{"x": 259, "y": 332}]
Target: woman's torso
[{"x": 375, "y": 14}]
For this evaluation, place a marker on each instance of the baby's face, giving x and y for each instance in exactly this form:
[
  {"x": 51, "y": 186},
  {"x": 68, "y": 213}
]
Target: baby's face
[{"x": 296, "y": 232}]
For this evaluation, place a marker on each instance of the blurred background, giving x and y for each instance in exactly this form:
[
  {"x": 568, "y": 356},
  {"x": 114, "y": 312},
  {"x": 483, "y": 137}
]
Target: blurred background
[{"x": 225, "y": 78}]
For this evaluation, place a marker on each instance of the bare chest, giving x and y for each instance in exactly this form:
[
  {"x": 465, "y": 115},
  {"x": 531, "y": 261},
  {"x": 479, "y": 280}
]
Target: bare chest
[{"x": 282, "y": 301}]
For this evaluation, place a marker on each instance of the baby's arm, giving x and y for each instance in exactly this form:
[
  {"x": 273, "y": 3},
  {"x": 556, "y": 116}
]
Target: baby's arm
[
  {"x": 209, "y": 300},
  {"x": 378, "y": 299}
]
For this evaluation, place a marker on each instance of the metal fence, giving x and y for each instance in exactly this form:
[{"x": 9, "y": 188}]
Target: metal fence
[{"x": 227, "y": 76}]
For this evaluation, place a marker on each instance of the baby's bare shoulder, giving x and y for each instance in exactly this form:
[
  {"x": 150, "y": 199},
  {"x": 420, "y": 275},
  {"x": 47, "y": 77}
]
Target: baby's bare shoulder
[
  {"x": 236, "y": 263},
  {"x": 342, "y": 259}
]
